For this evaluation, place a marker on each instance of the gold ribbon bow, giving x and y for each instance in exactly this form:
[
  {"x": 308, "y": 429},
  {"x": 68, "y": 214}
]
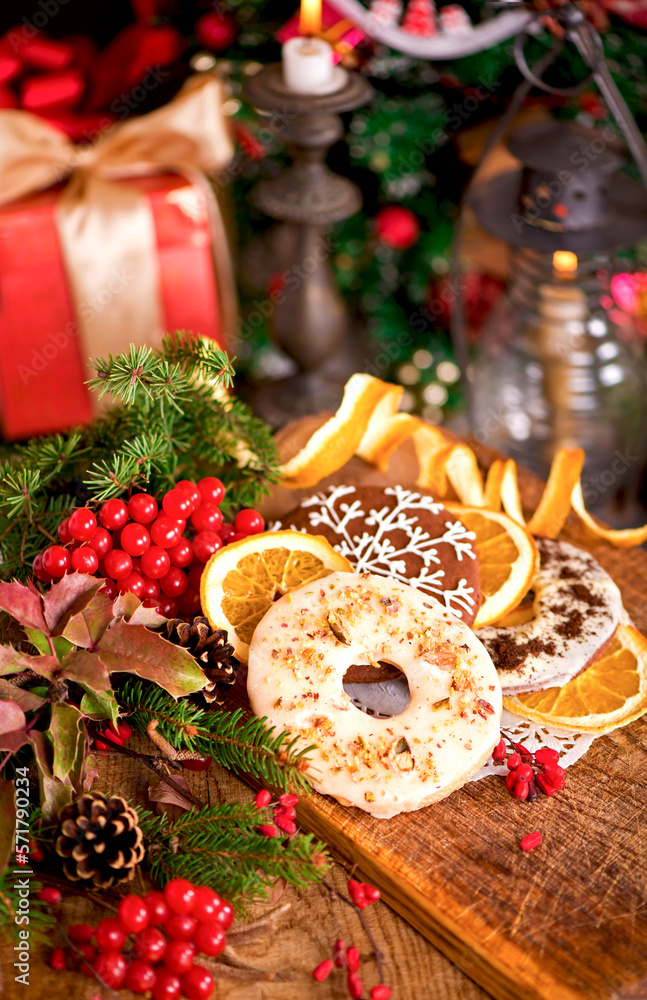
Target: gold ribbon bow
[{"x": 106, "y": 228}]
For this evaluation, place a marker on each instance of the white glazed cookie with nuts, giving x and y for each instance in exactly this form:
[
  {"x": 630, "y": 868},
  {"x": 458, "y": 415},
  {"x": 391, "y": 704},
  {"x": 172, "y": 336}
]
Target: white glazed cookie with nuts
[{"x": 300, "y": 653}]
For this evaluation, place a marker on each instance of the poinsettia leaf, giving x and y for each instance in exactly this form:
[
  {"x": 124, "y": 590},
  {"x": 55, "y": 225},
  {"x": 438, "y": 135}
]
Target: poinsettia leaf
[
  {"x": 85, "y": 668},
  {"x": 132, "y": 610},
  {"x": 12, "y": 716},
  {"x": 28, "y": 700},
  {"x": 99, "y": 705},
  {"x": 68, "y": 597},
  {"x": 25, "y": 604},
  {"x": 54, "y": 793},
  {"x": 7, "y": 822},
  {"x": 12, "y": 661},
  {"x": 65, "y": 729},
  {"x": 136, "y": 650},
  {"x": 87, "y": 626}
]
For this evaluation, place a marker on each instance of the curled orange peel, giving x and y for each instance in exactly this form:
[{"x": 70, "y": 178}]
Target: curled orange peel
[{"x": 368, "y": 425}]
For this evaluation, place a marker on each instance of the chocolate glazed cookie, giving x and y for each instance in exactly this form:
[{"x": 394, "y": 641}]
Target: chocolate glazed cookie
[{"x": 401, "y": 534}]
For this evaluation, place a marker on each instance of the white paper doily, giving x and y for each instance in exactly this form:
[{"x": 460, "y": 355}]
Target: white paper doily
[{"x": 392, "y": 697}]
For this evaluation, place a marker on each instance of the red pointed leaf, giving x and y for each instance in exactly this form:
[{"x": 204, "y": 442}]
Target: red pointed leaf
[
  {"x": 54, "y": 793},
  {"x": 66, "y": 733},
  {"x": 12, "y": 661},
  {"x": 136, "y": 650},
  {"x": 24, "y": 604},
  {"x": 28, "y": 702},
  {"x": 7, "y": 821},
  {"x": 130, "y": 608},
  {"x": 68, "y": 597},
  {"x": 85, "y": 627},
  {"x": 85, "y": 668},
  {"x": 12, "y": 716}
]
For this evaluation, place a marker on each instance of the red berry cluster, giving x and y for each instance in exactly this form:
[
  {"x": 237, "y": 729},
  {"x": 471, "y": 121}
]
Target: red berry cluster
[
  {"x": 348, "y": 958},
  {"x": 284, "y": 813},
  {"x": 115, "y": 734},
  {"x": 158, "y": 555},
  {"x": 528, "y": 770},
  {"x": 151, "y": 945}
]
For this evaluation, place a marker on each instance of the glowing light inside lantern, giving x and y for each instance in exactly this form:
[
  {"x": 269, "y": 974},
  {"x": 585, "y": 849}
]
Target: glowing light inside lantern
[
  {"x": 310, "y": 17},
  {"x": 565, "y": 263}
]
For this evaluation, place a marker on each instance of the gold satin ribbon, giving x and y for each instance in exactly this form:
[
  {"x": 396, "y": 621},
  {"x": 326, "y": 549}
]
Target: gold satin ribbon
[{"x": 106, "y": 228}]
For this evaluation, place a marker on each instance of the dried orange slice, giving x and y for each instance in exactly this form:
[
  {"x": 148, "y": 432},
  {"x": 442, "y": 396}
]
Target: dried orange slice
[
  {"x": 508, "y": 560},
  {"x": 241, "y": 581},
  {"x": 612, "y": 692},
  {"x": 555, "y": 504},
  {"x": 336, "y": 441}
]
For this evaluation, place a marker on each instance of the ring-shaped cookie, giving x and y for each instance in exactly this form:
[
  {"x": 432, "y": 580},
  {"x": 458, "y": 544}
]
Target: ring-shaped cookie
[
  {"x": 300, "y": 652},
  {"x": 576, "y": 610}
]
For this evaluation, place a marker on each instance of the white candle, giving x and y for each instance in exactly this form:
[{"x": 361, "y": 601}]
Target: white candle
[{"x": 308, "y": 67}]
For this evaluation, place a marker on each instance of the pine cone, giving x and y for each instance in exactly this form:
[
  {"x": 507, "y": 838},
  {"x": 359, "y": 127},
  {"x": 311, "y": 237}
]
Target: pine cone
[
  {"x": 99, "y": 839},
  {"x": 212, "y": 651}
]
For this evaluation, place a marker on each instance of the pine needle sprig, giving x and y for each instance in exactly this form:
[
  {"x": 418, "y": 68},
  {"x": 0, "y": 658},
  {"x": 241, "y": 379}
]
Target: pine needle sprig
[
  {"x": 220, "y": 846},
  {"x": 203, "y": 359},
  {"x": 41, "y": 921},
  {"x": 243, "y": 744}
]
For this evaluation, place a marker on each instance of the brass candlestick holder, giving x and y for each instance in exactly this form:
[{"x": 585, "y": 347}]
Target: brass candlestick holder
[{"x": 310, "y": 322}]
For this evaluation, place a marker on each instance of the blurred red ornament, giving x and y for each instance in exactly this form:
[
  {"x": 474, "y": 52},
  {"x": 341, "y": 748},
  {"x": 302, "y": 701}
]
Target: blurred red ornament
[
  {"x": 420, "y": 18},
  {"x": 397, "y": 227},
  {"x": 252, "y": 147},
  {"x": 216, "y": 31}
]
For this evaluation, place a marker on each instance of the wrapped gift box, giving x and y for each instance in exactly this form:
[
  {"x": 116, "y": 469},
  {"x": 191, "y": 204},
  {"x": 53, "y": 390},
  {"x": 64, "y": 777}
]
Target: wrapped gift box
[{"x": 43, "y": 361}]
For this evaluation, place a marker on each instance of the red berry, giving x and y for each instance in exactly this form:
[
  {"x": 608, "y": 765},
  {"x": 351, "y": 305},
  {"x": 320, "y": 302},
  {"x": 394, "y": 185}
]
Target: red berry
[
  {"x": 212, "y": 490},
  {"x": 167, "y": 606},
  {"x": 225, "y": 915},
  {"x": 35, "y": 852},
  {"x": 521, "y": 790},
  {"x": 101, "y": 541},
  {"x": 226, "y": 531},
  {"x": 118, "y": 564},
  {"x": 381, "y": 992},
  {"x": 123, "y": 730},
  {"x": 109, "y": 588},
  {"x": 133, "y": 583},
  {"x": 57, "y": 960},
  {"x": 50, "y": 895},
  {"x": 158, "y": 911},
  {"x": 38, "y": 571},
  {"x": 355, "y": 986},
  {"x": 205, "y": 544},
  {"x": 174, "y": 583},
  {"x": 140, "y": 977},
  {"x": 112, "y": 967},
  {"x": 177, "y": 503},
  {"x": 546, "y": 786},
  {"x": 555, "y": 774},
  {"x": 101, "y": 745},
  {"x": 85, "y": 560},
  {"x": 195, "y": 575},
  {"x": 151, "y": 588},
  {"x": 109, "y": 935},
  {"x": 179, "y": 895},
  {"x": 150, "y": 945},
  {"x": 113, "y": 735},
  {"x": 197, "y": 763},
  {"x": 209, "y": 939},
  {"x": 284, "y": 822},
  {"x": 156, "y": 562},
  {"x": 197, "y": 984},
  {"x": 262, "y": 799},
  {"x": 546, "y": 756},
  {"x": 205, "y": 904},
  {"x": 498, "y": 753},
  {"x": 530, "y": 841},
  {"x": 339, "y": 954},
  {"x": 63, "y": 532},
  {"x": 167, "y": 987},
  {"x": 135, "y": 539},
  {"x": 89, "y": 953},
  {"x": 82, "y": 524},
  {"x": 113, "y": 514},
  {"x": 166, "y": 532},
  {"x": 249, "y": 522},
  {"x": 206, "y": 518},
  {"x": 132, "y": 914},
  {"x": 288, "y": 799},
  {"x": 524, "y": 752},
  {"x": 371, "y": 893},
  {"x": 142, "y": 507},
  {"x": 237, "y": 537},
  {"x": 355, "y": 890},
  {"x": 513, "y": 761},
  {"x": 187, "y": 486},
  {"x": 322, "y": 971},
  {"x": 181, "y": 554},
  {"x": 190, "y": 603},
  {"x": 268, "y": 830},
  {"x": 179, "y": 956},
  {"x": 524, "y": 772},
  {"x": 55, "y": 561},
  {"x": 352, "y": 959},
  {"x": 180, "y": 926}
]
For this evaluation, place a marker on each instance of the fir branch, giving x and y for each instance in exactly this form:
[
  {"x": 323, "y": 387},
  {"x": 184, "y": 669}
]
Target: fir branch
[
  {"x": 243, "y": 745},
  {"x": 220, "y": 846},
  {"x": 201, "y": 355},
  {"x": 41, "y": 921},
  {"x": 138, "y": 375}
]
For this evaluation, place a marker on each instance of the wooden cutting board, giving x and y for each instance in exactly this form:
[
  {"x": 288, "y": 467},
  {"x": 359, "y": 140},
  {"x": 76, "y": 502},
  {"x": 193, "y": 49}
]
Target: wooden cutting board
[{"x": 567, "y": 921}]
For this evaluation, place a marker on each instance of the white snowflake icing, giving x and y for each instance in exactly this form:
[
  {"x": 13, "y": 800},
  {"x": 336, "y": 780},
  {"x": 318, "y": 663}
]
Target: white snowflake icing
[{"x": 376, "y": 552}]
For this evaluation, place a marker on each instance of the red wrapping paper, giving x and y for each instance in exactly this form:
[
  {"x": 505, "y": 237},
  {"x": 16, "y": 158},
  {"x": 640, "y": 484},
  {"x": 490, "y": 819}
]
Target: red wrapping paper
[{"x": 42, "y": 359}]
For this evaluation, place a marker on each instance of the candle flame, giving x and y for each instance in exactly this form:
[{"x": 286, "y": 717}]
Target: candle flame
[
  {"x": 565, "y": 262},
  {"x": 310, "y": 17}
]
